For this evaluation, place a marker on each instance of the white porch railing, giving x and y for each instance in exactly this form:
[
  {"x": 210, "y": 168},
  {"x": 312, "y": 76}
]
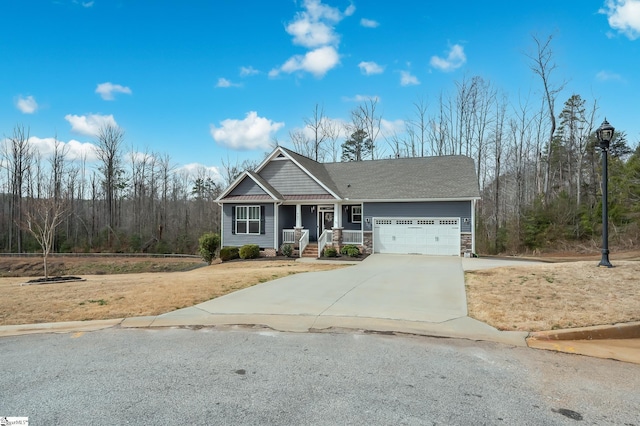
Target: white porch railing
[
  {"x": 288, "y": 236},
  {"x": 325, "y": 238},
  {"x": 304, "y": 241},
  {"x": 351, "y": 237}
]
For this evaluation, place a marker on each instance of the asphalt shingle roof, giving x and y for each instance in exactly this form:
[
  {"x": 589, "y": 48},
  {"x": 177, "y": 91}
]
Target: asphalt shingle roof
[
  {"x": 406, "y": 178},
  {"x": 418, "y": 178}
]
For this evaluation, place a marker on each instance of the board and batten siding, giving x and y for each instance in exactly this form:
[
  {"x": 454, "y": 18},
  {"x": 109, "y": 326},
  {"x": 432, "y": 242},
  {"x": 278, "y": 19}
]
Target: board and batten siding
[
  {"x": 238, "y": 240},
  {"x": 461, "y": 209},
  {"x": 247, "y": 187},
  {"x": 287, "y": 178}
]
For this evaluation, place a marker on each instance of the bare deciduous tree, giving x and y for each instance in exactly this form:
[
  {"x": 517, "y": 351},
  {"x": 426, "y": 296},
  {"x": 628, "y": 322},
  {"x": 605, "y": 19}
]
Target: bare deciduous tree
[
  {"x": 316, "y": 124},
  {"x": 108, "y": 151},
  {"x": 18, "y": 156},
  {"x": 365, "y": 119},
  {"x": 302, "y": 144},
  {"x": 543, "y": 65},
  {"x": 41, "y": 220}
]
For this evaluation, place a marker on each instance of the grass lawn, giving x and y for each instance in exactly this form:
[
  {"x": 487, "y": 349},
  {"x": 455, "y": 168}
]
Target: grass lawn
[
  {"x": 525, "y": 298},
  {"x": 104, "y": 296},
  {"x": 555, "y": 295}
]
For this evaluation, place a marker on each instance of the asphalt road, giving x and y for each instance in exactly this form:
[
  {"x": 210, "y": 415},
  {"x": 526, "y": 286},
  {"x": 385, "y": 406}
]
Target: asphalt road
[{"x": 253, "y": 376}]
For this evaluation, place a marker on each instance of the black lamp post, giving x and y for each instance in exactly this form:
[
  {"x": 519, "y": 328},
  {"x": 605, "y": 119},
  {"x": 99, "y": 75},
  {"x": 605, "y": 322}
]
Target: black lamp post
[{"x": 605, "y": 135}]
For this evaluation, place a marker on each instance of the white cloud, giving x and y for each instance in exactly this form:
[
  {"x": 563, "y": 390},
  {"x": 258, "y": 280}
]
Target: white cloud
[
  {"x": 316, "y": 62},
  {"x": 454, "y": 60},
  {"x": 361, "y": 98},
  {"x": 370, "y": 68},
  {"x": 223, "y": 82},
  {"x": 106, "y": 90},
  {"x": 314, "y": 26},
  {"x": 624, "y": 16},
  {"x": 197, "y": 170},
  {"x": 312, "y": 34},
  {"x": 27, "y": 105},
  {"x": 74, "y": 149},
  {"x": 89, "y": 124},
  {"x": 350, "y": 10},
  {"x": 369, "y": 23},
  {"x": 247, "y": 71},
  {"x": 390, "y": 128},
  {"x": 608, "y": 76},
  {"x": 251, "y": 133},
  {"x": 408, "y": 79},
  {"x": 78, "y": 150},
  {"x": 87, "y": 4}
]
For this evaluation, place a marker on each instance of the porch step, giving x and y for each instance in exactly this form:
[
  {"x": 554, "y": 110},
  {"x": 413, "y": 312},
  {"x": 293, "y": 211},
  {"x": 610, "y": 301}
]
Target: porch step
[{"x": 310, "y": 250}]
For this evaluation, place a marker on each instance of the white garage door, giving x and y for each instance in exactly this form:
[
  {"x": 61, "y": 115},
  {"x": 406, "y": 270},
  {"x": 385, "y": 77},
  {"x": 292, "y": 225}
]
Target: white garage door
[{"x": 435, "y": 236}]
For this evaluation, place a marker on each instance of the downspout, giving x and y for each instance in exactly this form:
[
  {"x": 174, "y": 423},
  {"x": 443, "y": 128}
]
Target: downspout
[
  {"x": 221, "y": 224},
  {"x": 276, "y": 224}
]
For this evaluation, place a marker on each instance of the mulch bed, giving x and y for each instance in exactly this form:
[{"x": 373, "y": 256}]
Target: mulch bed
[
  {"x": 347, "y": 258},
  {"x": 53, "y": 280}
]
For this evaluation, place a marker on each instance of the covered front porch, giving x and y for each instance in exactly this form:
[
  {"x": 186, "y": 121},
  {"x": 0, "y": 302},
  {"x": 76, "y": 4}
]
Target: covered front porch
[{"x": 322, "y": 224}]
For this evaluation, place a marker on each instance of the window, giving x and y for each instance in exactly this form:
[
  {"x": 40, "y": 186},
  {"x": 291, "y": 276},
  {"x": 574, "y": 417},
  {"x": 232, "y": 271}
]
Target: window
[
  {"x": 356, "y": 214},
  {"x": 247, "y": 219}
]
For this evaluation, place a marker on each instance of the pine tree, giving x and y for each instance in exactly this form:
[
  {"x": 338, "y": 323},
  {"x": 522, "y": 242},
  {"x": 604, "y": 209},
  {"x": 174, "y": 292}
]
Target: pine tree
[{"x": 357, "y": 147}]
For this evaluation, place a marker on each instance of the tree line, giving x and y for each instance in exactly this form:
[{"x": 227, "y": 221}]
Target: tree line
[
  {"x": 539, "y": 173},
  {"x": 135, "y": 202},
  {"x": 539, "y": 170}
]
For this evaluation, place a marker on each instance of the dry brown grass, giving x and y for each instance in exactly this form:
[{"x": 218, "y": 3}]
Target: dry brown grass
[
  {"x": 129, "y": 295},
  {"x": 552, "y": 296}
]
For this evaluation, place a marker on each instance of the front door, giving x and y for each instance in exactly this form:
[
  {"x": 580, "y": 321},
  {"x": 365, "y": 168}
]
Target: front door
[{"x": 326, "y": 221}]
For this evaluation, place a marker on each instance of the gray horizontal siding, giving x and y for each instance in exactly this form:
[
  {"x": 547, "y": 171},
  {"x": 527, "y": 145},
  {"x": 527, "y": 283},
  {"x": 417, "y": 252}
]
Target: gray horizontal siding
[
  {"x": 461, "y": 209},
  {"x": 237, "y": 240},
  {"x": 287, "y": 178},
  {"x": 346, "y": 220},
  {"x": 247, "y": 187}
]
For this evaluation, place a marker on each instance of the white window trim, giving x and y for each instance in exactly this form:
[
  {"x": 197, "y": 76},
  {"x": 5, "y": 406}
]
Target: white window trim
[
  {"x": 353, "y": 208},
  {"x": 248, "y": 220}
]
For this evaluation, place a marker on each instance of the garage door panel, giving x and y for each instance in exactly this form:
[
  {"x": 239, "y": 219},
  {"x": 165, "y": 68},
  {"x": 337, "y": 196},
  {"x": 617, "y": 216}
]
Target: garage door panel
[{"x": 434, "y": 236}]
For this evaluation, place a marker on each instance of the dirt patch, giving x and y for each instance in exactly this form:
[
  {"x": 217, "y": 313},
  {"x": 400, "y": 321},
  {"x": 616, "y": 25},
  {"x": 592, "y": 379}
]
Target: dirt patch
[
  {"x": 136, "y": 294},
  {"x": 556, "y": 295}
]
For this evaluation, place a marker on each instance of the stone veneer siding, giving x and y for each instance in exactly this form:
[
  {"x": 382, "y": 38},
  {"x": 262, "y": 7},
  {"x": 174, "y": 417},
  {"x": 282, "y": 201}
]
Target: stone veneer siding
[
  {"x": 466, "y": 243},
  {"x": 336, "y": 238},
  {"x": 367, "y": 240},
  {"x": 268, "y": 252}
]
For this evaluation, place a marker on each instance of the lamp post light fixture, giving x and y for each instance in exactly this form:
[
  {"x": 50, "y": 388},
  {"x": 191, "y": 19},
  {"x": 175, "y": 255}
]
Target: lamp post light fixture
[{"x": 605, "y": 135}]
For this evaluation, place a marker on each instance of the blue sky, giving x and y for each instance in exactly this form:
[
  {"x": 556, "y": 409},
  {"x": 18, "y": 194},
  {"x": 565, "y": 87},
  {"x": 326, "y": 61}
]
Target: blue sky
[{"x": 205, "y": 81}]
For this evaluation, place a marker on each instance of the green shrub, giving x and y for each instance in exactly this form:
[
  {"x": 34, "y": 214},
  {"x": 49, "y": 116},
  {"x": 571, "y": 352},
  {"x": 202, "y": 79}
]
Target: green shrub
[
  {"x": 162, "y": 247},
  {"x": 135, "y": 243},
  {"x": 287, "y": 250},
  {"x": 330, "y": 252},
  {"x": 208, "y": 244},
  {"x": 249, "y": 251},
  {"x": 350, "y": 250},
  {"x": 229, "y": 253}
]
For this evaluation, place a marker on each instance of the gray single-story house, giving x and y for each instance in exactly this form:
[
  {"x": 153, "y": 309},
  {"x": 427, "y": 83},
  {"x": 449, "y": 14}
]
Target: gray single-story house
[{"x": 420, "y": 205}]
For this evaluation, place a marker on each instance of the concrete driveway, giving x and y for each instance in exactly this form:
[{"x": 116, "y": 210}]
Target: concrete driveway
[
  {"x": 415, "y": 294},
  {"x": 401, "y": 287},
  {"x": 384, "y": 293}
]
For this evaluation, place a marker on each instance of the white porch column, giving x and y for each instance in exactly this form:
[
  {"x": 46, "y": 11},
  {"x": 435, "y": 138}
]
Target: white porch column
[
  {"x": 473, "y": 226},
  {"x": 337, "y": 216},
  {"x": 298, "y": 216}
]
